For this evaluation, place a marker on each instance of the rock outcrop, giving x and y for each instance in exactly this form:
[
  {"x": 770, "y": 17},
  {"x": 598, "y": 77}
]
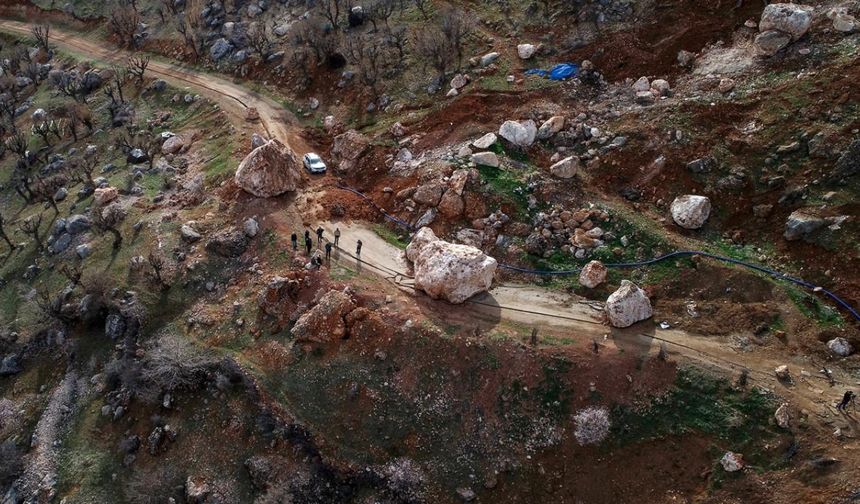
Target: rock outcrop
[
  {"x": 348, "y": 147},
  {"x": 628, "y": 305},
  {"x": 325, "y": 321},
  {"x": 449, "y": 271},
  {"x": 691, "y": 211},
  {"x": 269, "y": 170}
]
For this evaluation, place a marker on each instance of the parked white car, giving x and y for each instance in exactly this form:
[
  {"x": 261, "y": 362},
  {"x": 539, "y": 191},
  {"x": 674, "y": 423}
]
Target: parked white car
[{"x": 313, "y": 163}]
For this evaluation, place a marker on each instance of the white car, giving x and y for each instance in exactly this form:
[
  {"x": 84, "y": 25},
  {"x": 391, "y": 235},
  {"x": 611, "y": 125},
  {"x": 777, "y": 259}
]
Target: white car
[{"x": 313, "y": 163}]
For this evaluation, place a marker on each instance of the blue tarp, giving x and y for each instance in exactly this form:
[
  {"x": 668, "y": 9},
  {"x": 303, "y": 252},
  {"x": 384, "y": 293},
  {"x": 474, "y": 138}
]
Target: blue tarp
[{"x": 559, "y": 72}]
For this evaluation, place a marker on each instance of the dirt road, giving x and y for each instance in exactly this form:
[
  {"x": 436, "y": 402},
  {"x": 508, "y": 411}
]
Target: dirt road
[{"x": 234, "y": 99}]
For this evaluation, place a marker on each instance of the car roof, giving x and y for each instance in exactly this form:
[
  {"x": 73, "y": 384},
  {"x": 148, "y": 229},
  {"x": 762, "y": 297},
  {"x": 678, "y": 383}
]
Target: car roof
[{"x": 312, "y": 155}]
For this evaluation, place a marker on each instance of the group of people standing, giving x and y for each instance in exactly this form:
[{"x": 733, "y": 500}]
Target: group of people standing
[{"x": 328, "y": 246}]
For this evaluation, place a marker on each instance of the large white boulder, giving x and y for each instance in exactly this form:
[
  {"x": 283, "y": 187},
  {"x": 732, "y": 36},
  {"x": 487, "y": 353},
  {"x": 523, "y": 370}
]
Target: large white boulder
[
  {"x": 566, "y": 168},
  {"x": 840, "y": 346},
  {"x": 269, "y": 170},
  {"x": 449, "y": 271},
  {"x": 793, "y": 19},
  {"x": 486, "y": 158},
  {"x": 519, "y": 133},
  {"x": 628, "y": 305},
  {"x": 593, "y": 274},
  {"x": 526, "y": 51},
  {"x": 691, "y": 211}
]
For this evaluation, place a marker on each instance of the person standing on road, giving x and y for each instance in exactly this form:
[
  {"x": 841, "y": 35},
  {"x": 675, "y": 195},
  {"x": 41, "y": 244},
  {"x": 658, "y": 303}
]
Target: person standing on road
[
  {"x": 328, "y": 252},
  {"x": 319, "y": 237},
  {"x": 847, "y": 399},
  {"x": 358, "y": 248},
  {"x": 295, "y": 241},
  {"x": 308, "y": 243},
  {"x": 336, "y": 237}
]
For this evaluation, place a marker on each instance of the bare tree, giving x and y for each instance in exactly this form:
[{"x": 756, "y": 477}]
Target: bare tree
[
  {"x": 187, "y": 35},
  {"x": 456, "y": 25},
  {"x": 123, "y": 23},
  {"x": 380, "y": 12},
  {"x": 136, "y": 67},
  {"x": 108, "y": 219},
  {"x": 3, "y": 234},
  {"x": 41, "y": 33},
  {"x": 30, "y": 226},
  {"x": 331, "y": 10},
  {"x": 423, "y": 7},
  {"x": 158, "y": 264},
  {"x": 78, "y": 115},
  {"x": 17, "y": 143},
  {"x": 46, "y": 187},
  {"x": 310, "y": 34},
  {"x": 370, "y": 56},
  {"x": 430, "y": 43}
]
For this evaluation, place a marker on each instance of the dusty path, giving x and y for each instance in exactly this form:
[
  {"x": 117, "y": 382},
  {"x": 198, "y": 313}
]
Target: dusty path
[{"x": 234, "y": 99}]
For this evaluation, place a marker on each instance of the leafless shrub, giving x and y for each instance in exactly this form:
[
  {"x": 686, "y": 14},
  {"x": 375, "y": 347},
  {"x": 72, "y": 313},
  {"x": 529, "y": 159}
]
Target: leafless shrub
[
  {"x": 41, "y": 33},
  {"x": 173, "y": 363},
  {"x": 123, "y": 23},
  {"x": 592, "y": 425},
  {"x": 136, "y": 67},
  {"x": 108, "y": 219}
]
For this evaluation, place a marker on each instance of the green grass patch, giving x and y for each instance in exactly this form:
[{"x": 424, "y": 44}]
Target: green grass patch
[
  {"x": 812, "y": 308},
  {"x": 738, "y": 420},
  {"x": 508, "y": 185},
  {"x": 392, "y": 237}
]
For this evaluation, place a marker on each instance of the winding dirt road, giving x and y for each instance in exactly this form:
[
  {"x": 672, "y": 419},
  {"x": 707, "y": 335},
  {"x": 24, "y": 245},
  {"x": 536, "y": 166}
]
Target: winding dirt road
[{"x": 234, "y": 99}]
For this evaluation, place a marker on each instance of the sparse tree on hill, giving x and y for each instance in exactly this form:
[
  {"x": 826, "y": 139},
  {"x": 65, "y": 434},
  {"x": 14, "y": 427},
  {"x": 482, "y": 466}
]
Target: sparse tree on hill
[
  {"x": 158, "y": 264},
  {"x": 369, "y": 56},
  {"x": 30, "y": 226},
  {"x": 423, "y": 7},
  {"x": 46, "y": 187},
  {"x": 331, "y": 10},
  {"x": 123, "y": 23},
  {"x": 3, "y": 234},
  {"x": 456, "y": 25},
  {"x": 136, "y": 67},
  {"x": 380, "y": 12},
  {"x": 42, "y": 33},
  {"x": 108, "y": 219}
]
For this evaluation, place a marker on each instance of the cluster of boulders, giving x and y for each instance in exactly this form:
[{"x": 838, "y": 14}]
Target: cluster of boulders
[
  {"x": 780, "y": 25},
  {"x": 805, "y": 223},
  {"x": 449, "y": 271},
  {"x": 574, "y": 232},
  {"x": 647, "y": 92},
  {"x": 439, "y": 194}
]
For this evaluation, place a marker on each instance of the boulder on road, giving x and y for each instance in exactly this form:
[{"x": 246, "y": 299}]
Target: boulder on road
[
  {"x": 449, "y": 271},
  {"x": 593, "y": 274},
  {"x": 691, "y": 211},
  {"x": 628, "y": 305},
  {"x": 269, "y": 170},
  {"x": 325, "y": 321},
  {"x": 793, "y": 19},
  {"x": 519, "y": 133}
]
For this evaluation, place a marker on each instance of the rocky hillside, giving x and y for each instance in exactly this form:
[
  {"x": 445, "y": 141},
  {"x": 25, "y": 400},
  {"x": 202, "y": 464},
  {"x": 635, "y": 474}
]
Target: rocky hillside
[{"x": 587, "y": 251}]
